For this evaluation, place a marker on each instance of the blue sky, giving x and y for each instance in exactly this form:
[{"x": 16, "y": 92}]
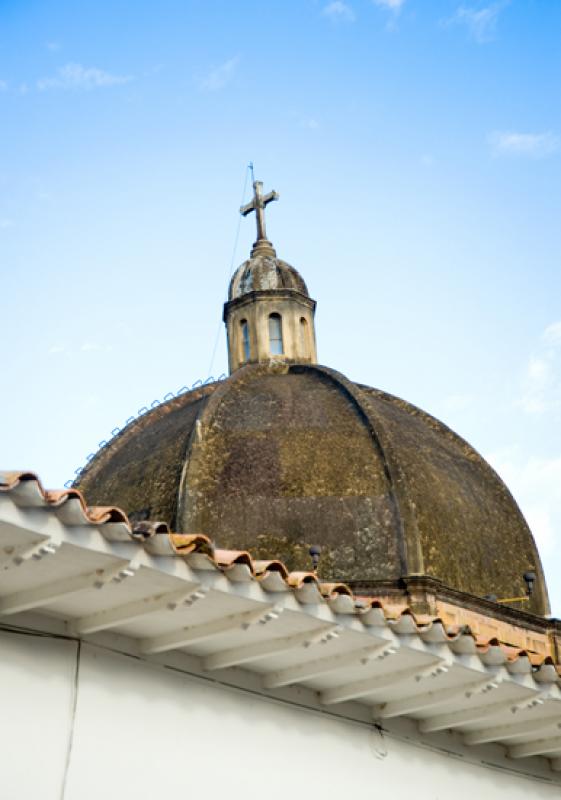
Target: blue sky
[{"x": 417, "y": 150}]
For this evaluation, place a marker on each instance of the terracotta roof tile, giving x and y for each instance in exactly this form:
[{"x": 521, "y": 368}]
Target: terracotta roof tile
[{"x": 26, "y": 490}]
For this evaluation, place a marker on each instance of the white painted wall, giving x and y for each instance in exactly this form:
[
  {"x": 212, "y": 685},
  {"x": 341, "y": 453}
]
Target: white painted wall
[
  {"x": 144, "y": 732},
  {"x": 36, "y": 691}
]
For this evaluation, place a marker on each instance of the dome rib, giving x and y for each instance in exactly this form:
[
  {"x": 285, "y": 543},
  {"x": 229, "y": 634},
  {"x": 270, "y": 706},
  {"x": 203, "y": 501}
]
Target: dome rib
[
  {"x": 408, "y": 551},
  {"x": 374, "y": 427},
  {"x": 276, "y": 481},
  {"x": 141, "y": 466},
  {"x": 452, "y": 493}
]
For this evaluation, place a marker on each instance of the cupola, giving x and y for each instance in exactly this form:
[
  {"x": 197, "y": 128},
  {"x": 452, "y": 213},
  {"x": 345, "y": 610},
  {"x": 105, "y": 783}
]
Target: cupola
[{"x": 269, "y": 315}]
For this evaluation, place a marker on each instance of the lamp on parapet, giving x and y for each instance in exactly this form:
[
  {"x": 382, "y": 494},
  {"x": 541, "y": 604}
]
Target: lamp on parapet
[
  {"x": 529, "y": 579},
  {"x": 315, "y": 552}
]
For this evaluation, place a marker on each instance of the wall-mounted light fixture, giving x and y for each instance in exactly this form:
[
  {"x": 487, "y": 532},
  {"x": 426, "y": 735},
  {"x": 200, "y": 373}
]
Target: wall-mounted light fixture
[
  {"x": 315, "y": 552},
  {"x": 530, "y": 581}
]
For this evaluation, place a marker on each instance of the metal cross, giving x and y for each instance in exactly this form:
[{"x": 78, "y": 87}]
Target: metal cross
[{"x": 258, "y": 205}]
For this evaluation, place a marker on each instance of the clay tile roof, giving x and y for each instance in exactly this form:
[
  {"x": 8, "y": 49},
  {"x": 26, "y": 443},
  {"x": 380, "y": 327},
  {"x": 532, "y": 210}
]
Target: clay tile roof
[{"x": 26, "y": 490}]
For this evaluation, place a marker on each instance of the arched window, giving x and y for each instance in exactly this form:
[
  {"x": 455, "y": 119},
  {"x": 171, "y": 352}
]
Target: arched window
[
  {"x": 304, "y": 341},
  {"x": 275, "y": 335},
  {"x": 245, "y": 340}
]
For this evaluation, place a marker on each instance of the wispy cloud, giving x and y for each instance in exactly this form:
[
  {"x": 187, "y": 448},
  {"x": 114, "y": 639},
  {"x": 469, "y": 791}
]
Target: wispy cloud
[
  {"x": 89, "y": 346},
  {"x": 393, "y": 11},
  {"x": 95, "y": 347},
  {"x": 536, "y": 484},
  {"x": 338, "y": 11},
  {"x": 6, "y": 223},
  {"x": 552, "y": 334},
  {"x": 78, "y": 77},
  {"x": 309, "y": 123},
  {"x": 531, "y": 145},
  {"x": 3, "y": 86},
  {"x": 538, "y": 380},
  {"x": 220, "y": 76},
  {"x": 480, "y": 21},
  {"x": 391, "y": 5},
  {"x": 541, "y": 383},
  {"x": 53, "y": 46}
]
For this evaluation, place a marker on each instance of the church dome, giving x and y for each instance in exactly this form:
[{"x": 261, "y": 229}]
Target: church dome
[
  {"x": 280, "y": 457},
  {"x": 265, "y": 272},
  {"x": 285, "y": 454}
]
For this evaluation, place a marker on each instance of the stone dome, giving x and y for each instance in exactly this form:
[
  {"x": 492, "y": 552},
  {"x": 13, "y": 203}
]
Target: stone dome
[
  {"x": 265, "y": 272},
  {"x": 279, "y": 457}
]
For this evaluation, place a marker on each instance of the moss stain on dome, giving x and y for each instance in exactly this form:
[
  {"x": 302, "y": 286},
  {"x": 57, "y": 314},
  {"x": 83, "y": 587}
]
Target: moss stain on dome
[{"x": 277, "y": 458}]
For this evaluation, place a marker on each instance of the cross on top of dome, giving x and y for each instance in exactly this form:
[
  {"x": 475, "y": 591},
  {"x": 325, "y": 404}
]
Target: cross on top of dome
[{"x": 258, "y": 204}]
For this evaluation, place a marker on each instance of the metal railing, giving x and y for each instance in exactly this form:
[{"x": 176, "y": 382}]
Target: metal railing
[{"x": 140, "y": 413}]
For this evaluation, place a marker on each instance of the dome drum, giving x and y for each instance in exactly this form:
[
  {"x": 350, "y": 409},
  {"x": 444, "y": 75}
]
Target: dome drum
[{"x": 270, "y": 325}]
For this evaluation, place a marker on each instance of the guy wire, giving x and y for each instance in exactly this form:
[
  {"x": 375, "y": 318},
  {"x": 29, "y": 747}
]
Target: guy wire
[{"x": 248, "y": 169}]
